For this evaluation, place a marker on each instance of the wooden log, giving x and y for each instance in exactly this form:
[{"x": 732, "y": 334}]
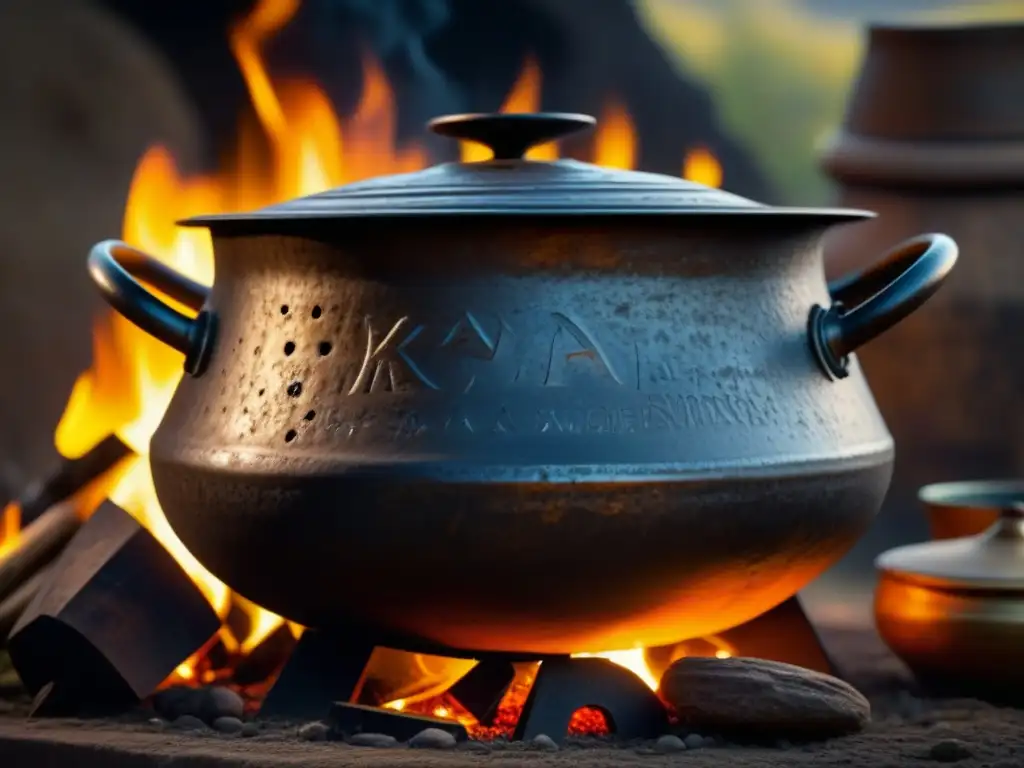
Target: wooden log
[
  {"x": 14, "y": 605},
  {"x": 38, "y": 543},
  {"x": 70, "y": 477},
  {"x": 115, "y": 620}
]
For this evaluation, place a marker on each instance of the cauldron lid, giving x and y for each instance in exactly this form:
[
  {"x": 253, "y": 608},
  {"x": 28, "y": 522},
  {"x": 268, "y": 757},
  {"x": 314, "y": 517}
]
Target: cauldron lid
[
  {"x": 991, "y": 560},
  {"x": 511, "y": 185}
]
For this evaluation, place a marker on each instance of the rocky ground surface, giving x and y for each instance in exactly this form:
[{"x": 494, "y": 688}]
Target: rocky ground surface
[{"x": 905, "y": 729}]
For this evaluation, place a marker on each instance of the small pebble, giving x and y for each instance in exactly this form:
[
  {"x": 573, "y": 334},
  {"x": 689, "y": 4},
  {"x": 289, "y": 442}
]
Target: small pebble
[
  {"x": 694, "y": 741},
  {"x": 205, "y": 703},
  {"x": 432, "y": 738},
  {"x": 156, "y": 722},
  {"x": 480, "y": 747},
  {"x": 949, "y": 751},
  {"x": 228, "y": 725},
  {"x": 171, "y": 703},
  {"x": 543, "y": 741},
  {"x": 249, "y": 730},
  {"x": 373, "y": 740},
  {"x": 782, "y": 744},
  {"x": 315, "y": 731},
  {"x": 669, "y": 744},
  {"x": 217, "y": 701},
  {"x": 189, "y": 723}
]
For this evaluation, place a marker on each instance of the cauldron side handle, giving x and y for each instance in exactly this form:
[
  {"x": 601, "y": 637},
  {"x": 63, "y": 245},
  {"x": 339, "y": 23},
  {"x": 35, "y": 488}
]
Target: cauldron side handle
[
  {"x": 885, "y": 293},
  {"x": 117, "y": 269}
]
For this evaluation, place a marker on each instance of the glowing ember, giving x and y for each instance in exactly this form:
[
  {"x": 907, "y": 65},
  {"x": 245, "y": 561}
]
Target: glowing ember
[{"x": 133, "y": 376}]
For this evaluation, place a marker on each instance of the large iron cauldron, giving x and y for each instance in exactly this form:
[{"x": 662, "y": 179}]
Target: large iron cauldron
[{"x": 520, "y": 406}]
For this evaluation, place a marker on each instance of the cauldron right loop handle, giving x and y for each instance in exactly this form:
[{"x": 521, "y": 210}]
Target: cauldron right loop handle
[
  {"x": 116, "y": 268},
  {"x": 885, "y": 293}
]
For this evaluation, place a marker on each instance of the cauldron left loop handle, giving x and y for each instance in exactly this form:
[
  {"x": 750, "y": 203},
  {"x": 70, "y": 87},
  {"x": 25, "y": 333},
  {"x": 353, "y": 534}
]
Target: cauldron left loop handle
[
  {"x": 879, "y": 297},
  {"x": 117, "y": 269}
]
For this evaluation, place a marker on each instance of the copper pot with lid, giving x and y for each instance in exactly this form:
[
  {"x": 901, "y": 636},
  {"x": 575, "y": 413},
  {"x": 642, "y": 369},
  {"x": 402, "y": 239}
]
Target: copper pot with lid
[
  {"x": 953, "y": 610},
  {"x": 522, "y": 406}
]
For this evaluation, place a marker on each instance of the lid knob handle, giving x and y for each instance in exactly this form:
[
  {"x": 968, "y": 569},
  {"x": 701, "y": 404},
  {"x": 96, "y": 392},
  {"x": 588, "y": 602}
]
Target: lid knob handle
[
  {"x": 1010, "y": 524},
  {"x": 510, "y": 136}
]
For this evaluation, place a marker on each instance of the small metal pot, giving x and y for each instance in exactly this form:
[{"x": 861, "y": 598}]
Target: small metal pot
[
  {"x": 518, "y": 406},
  {"x": 967, "y": 508},
  {"x": 953, "y": 610}
]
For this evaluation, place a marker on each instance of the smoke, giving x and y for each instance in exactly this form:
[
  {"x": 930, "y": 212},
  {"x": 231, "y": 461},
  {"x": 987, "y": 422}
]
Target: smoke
[{"x": 397, "y": 31}]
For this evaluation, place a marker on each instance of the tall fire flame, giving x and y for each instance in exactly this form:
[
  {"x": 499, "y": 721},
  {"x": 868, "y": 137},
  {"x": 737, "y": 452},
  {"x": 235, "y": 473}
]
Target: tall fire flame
[{"x": 133, "y": 376}]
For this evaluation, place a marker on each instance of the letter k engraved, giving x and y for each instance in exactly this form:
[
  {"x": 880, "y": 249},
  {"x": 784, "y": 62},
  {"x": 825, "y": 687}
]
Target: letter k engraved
[{"x": 387, "y": 365}]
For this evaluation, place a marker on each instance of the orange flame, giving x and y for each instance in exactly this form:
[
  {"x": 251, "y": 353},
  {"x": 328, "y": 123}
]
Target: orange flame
[
  {"x": 133, "y": 377},
  {"x": 524, "y": 97},
  {"x": 616, "y": 138},
  {"x": 10, "y": 527},
  {"x": 701, "y": 166}
]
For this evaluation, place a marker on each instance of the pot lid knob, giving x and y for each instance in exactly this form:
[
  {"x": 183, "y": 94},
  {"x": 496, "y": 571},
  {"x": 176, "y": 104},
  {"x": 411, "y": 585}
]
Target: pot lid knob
[
  {"x": 1010, "y": 524},
  {"x": 993, "y": 559},
  {"x": 510, "y": 136}
]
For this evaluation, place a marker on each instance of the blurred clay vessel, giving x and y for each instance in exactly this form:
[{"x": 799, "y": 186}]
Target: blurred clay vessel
[{"x": 933, "y": 140}]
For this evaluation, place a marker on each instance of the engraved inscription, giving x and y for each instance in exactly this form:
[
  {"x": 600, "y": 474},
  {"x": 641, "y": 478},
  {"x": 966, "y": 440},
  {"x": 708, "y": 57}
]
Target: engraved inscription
[
  {"x": 457, "y": 355},
  {"x": 575, "y": 350},
  {"x": 387, "y": 364},
  {"x": 470, "y": 338},
  {"x": 653, "y": 414},
  {"x": 660, "y": 413}
]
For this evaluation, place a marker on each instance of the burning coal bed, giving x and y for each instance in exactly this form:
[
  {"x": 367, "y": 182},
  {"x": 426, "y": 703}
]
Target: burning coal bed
[{"x": 116, "y": 652}]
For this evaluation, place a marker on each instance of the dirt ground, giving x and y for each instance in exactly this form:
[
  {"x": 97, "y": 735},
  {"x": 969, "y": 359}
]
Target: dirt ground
[{"x": 906, "y": 729}]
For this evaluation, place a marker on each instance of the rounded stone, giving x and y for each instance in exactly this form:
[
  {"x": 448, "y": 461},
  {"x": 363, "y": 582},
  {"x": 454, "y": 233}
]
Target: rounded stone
[
  {"x": 949, "y": 751},
  {"x": 543, "y": 741},
  {"x": 249, "y": 730},
  {"x": 189, "y": 723},
  {"x": 432, "y": 738},
  {"x": 218, "y": 701},
  {"x": 315, "y": 731},
  {"x": 380, "y": 740},
  {"x": 755, "y": 699},
  {"x": 171, "y": 703},
  {"x": 669, "y": 744},
  {"x": 693, "y": 741},
  {"x": 228, "y": 725}
]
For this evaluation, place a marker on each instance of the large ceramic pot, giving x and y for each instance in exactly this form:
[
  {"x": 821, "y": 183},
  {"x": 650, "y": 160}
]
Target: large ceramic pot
[
  {"x": 934, "y": 138},
  {"x": 522, "y": 406}
]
